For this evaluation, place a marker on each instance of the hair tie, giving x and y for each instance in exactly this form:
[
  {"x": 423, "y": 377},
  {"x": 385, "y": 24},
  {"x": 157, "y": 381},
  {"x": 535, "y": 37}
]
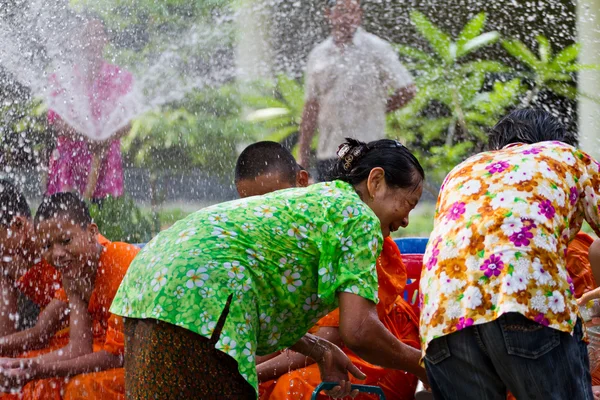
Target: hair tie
[{"x": 348, "y": 153}]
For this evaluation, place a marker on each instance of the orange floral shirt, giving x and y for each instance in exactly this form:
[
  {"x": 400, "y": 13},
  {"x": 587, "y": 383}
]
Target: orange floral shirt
[{"x": 502, "y": 225}]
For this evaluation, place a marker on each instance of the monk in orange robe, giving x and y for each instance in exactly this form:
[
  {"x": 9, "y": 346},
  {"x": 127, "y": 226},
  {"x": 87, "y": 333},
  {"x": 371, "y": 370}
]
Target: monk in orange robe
[
  {"x": 86, "y": 359},
  {"x": 394, "y": 312}
]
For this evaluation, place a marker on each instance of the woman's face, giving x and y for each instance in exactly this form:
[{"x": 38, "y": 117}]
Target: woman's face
[{"x": 391, "y": 205}]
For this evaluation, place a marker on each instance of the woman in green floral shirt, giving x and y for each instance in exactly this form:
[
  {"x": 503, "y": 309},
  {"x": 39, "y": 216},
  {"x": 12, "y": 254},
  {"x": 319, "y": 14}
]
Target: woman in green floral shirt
[{"x": 286, "y": 259}]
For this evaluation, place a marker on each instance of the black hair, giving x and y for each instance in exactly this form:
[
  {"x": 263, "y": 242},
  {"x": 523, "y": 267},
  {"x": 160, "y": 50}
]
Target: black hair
[
  {"x": 528, "y": 125},
  {"x": 12, "y": 203},
  {"x": 65, "y": 204},
  {"x": 356, "y": 159},
  {"x": 263, "y": 157}
]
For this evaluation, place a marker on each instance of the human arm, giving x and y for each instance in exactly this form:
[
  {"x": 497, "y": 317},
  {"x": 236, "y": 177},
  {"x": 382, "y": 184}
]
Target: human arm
[
  {"x": 8, "y": 298},
  {"x": 401, "y": 97},
  {"x": 362, "y": 332},
  {"x": 49, "y": 322},
  {"x": 289, "y": 361},
  {"x": 308, "y": 126},
  {"x": 333, "y": 364}
]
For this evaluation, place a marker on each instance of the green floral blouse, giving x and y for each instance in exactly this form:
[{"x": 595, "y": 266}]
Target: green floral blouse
[{"x": 283, "y": 256}]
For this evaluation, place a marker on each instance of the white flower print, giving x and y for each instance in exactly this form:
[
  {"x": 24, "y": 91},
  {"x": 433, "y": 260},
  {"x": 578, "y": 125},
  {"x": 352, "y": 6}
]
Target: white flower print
[
  {"x": 208, "y": 329},
  {"x": 264, "y": 321},
  {"x": 207, "y": 292},
  {"x": 235, "y": 269},
  {"x": 556, "y": 302},
  {"x": 471, "y": 187},
  {"x": 212, "y": 264},
  {"x": 346, "y": 243},
  {"x": 274, "y": 336},
  {"x": 311, "y": 303},
  {"x": 291, "y": 280},
  {"x": 330, "y": 190},
  {"x": 254, "y": 256},
  {"x": 158, "y": 310},
  {"x": 449, "y": 285},
  {"x": 185, "y": 235},
  {"x": 278, "y": 230},
  {"x": 472, "y": 263},
  {"x": 297, "y": 231},
  {"x": 473, "y": 297},
  {"x": 515, "y": 177},
  {"x": 568, "y": 158},
  {"x": 249, "y": 353},
  {"x": 350, "y": 212},
  {"x": 247, "y": 226},
  {"x": 505, "y": 199},
  {"x": 546, "y": 242},
  {"x": 216, "y": 219},
  {"x": 197, "y": 277},
  {"x": 374, "y": 245},
  {"x": 542, "y": 276},
  {"x": 547, "y": 172},
  {"x": 179, "y": 292},
  {"x": 303, "y": 207},
  {"x": 159, "y": 280},
  {"x": 195, "y": 252},
  {"x": 204, "y": 316},
  {"x": 353, "y": 289},
  {"x": 223, "y": 233},
  {"x": 514, "y": 283},
  {"x": 247, "y": 285},
  {"x": 241, "y": 329},
  {"x": 326, "y": 203},
  {"x": 222, "y": 246},
  {"x": 227, "y": 345},
  {"x": 511, "y": 225},
  {"x": 453, "y": 309},
  {"x": 302, "y": 245},
  {"x": 464, "y": 238},
  {"x": 324, "y": 274},
  {"x": 428, "y": 312},
  {"x": 265, "y": 211}
]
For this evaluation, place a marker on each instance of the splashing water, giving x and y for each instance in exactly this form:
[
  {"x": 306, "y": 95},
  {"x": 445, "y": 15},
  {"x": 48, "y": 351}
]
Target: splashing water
[{"x": 50, "y": 49}]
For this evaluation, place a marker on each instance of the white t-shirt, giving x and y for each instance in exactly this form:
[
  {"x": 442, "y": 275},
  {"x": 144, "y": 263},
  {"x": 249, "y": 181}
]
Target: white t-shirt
[{"x": 352, "y": 84}]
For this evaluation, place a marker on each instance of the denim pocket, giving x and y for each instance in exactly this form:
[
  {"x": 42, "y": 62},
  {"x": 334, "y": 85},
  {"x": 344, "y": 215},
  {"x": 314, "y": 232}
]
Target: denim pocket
[
  {"x": 526, "y": 338},
  {"x": 437, "y": 350}
]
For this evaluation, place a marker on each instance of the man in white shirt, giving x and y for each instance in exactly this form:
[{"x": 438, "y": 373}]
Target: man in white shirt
[{"x": 349, "y": 79}]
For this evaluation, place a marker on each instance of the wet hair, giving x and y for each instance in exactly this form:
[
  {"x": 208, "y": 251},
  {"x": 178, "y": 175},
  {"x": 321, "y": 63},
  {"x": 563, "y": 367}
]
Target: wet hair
[
  {"x": 263, "y": 157},
  {"x": 356, "y": 159},
  {"x": 529, "y": 126},
  {"x": 65, "y": 204},
  {"x": 12, "y": 203}
]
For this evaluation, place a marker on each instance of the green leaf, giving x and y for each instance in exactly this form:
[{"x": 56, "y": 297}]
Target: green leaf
[
  {"x": 483, "y": 66},
  {"x": 438, "y": 40},
  {"x": 281, "y": 134},
  {"x": 566, "y": 56},
  {"x": 480, "y": 41},
  {"x": 568, "y": 91},
  {"x": 415, "y": 54},
  {"x": 471, "y": 30},
  {"x": 517, "y": 49},
  {"x": 544, "y": 49},
  {"x": 292, "y": 92}
]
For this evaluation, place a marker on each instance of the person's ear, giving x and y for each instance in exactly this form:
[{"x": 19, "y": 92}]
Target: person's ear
[
  {"x": 376, "y": 182},
  {"x": 302, "y": 178},
  {"x": 92, "y": 230}
]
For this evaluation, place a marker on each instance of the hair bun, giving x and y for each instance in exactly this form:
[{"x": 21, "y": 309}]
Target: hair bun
[{"x": 350, "y": 151}]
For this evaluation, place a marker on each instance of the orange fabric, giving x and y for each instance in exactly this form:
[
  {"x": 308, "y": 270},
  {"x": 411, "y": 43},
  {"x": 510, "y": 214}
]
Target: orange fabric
[
  {"x": 39, "y": 283},
  {"x": 578, "y": 265},
  {"x": 395, "y": 314},
  {"x": 107, "y": 331}
]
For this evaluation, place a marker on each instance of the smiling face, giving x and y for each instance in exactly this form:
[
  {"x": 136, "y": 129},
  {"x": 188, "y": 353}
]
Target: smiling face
[
  {"x": 392, "y": 205},
  {"x": 67, "y": 245}
]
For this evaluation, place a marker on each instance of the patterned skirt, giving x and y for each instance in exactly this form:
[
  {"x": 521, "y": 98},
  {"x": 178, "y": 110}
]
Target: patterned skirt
[{"x": 164, "y": 361}]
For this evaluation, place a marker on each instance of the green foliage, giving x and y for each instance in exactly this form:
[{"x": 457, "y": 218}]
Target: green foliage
[
  {"x": 547, "y": 71},
  {"x": 278, "y": 108},
  {"x": 119, "y": 219}
]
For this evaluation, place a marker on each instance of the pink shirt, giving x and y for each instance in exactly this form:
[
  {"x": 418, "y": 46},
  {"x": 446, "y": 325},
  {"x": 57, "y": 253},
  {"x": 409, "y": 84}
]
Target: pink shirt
[{"x": 70, "y": 162}]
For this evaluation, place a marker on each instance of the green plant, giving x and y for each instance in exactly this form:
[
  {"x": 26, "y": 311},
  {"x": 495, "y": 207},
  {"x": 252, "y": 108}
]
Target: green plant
[
  {"x": 119, "y": 219},
  {"x": 546, "y": 70},
  {"x": 278, "y": 108},
  {"x": 448, "y": 118}
]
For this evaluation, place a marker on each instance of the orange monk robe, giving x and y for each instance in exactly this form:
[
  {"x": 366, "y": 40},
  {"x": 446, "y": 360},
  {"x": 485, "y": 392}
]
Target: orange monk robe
[
  {"x": 40, "y": 283},
  {"x": 107, "y": 331},
  {"x": 580, "y": 270},
  {"x": 395, "y": 314}
]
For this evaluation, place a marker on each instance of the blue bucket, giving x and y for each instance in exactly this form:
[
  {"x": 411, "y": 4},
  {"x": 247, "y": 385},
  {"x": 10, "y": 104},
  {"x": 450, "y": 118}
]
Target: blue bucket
[{"x": 412, "y": 245}]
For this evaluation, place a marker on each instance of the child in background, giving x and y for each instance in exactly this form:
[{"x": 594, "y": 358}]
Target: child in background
[{"x": 87, "y": 361}]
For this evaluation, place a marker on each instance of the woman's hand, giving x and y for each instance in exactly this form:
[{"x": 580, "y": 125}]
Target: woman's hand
[
  {"x": 587, "y": 296},
  {"x": 334, "y": 366}
]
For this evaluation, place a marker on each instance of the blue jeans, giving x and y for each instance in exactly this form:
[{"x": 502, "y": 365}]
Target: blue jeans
[{"x": 512, "y": 353}]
